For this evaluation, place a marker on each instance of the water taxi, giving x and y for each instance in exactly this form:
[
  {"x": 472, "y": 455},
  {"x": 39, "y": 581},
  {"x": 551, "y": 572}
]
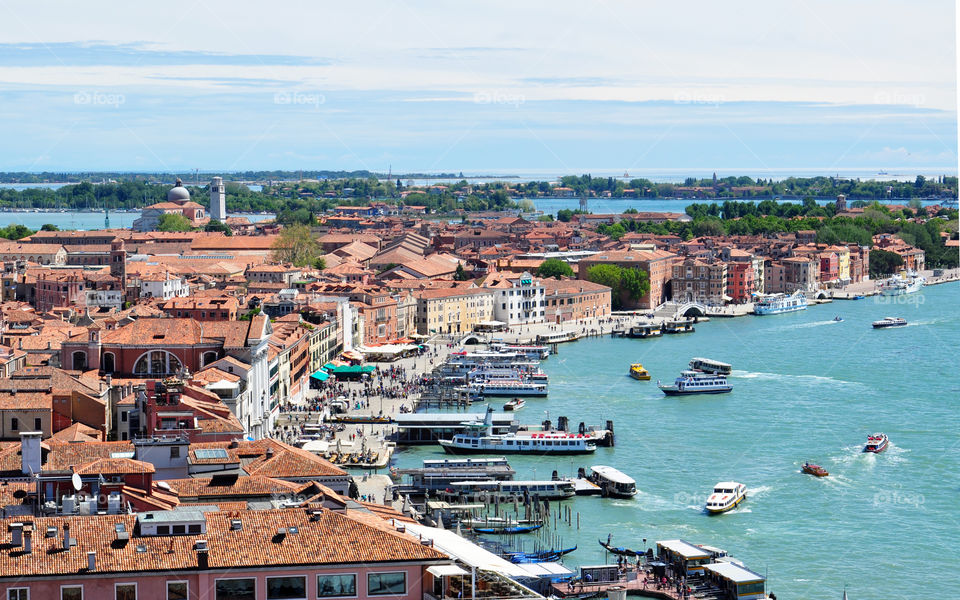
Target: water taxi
[
  {"x": 774, "y": 304},
  {"x": 613, "y": 482},
  {"x": 707, "y": 365},
  {"x": 638, "y": 372},
  {"x": 812, "y": 469},
  {"x": 726, "y": 496},
  {"x": 887, "y": 322},
  {"x": 695, "y": 382},
  {"x": 515, "y": 404},
  {"x": 898, "y": 286},
  {"x": 876, "y": 443}
]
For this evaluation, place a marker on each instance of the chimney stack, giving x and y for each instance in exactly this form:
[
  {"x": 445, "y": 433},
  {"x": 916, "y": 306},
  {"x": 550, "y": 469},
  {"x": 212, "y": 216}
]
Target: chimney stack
[{"x": 66, "y": 536}]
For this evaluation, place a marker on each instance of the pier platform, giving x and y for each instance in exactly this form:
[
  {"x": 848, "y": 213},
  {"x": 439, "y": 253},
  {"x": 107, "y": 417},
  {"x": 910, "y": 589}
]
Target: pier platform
[{"x": 633, "y": 588}]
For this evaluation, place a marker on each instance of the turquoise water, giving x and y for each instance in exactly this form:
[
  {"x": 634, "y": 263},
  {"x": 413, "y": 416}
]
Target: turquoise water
[
  {"x": 89, "y": 221},
  {"x": 805, "y": 388}
]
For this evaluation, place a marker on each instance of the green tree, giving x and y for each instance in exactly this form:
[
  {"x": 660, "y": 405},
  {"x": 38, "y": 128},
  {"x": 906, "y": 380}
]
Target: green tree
[
  {"x": 216, "y": 225},
  {"x": 883, "y": 262},
  {"x": 173, "y": 222},
  {"x": 554, "y": 267},
  {"x": 635, "y": 283},
  {"x": 49, "y": 227},
  {"x": 460, "y": 274},
  {"x": 608, "y": 275},
  {"x": 526, "y": 205},
  {"x": 320, "y": 263},
  {"x": 15, "y": 231},
  {"x": 296, "y": 245},
  {"x": 564, "y": 215}
]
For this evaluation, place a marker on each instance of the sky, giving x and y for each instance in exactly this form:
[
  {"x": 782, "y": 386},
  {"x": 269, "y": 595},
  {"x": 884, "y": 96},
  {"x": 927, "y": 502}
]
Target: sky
[{"x": 490, "y": 87}]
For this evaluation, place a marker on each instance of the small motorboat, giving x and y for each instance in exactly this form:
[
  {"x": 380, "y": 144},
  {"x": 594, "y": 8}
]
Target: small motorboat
[
  {"x": 515, "y": 404},
  {"x": 876, "y": 443},
  {"x": 837, "y": 319},
  {"x": 886, "y": 322},
  {"x": 619, "y": 551},
  {"x": 726, "y": 496},
  {"x": 858, "y": 297},
  {"x": 638, "y": 372},
  {"x": 812, "y": 469}
]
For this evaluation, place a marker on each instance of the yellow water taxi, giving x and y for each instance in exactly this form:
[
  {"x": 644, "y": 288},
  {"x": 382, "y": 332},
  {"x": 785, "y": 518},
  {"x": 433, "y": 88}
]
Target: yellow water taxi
[{"x": 638, "y": 372}]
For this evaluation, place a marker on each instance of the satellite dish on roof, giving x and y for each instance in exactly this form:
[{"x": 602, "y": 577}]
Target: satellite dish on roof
[{"x": 75, "y": 479}]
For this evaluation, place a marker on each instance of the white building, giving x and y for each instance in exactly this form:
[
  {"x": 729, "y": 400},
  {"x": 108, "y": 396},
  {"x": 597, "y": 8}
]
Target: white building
[
  {"x": 111, "y": 299},
  {"x": 164, "y": 285},
  {"x": 517, "y": 299}
]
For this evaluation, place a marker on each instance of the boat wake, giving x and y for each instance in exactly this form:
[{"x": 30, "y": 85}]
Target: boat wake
[
  {"x": 808, "y": 379},
  {"x": 759, "y": 491}
]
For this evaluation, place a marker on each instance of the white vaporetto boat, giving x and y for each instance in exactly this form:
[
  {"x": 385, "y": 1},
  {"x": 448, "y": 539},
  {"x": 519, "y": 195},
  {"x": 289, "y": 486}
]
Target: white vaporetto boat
[
  {"x": 707, "y": 365},
  {"x": 774, "y": 304},
  {"x": 613, "y": 482},
  {"x": 898, "y": 286},
  {"x": 506, "y": 387},
  {"x": 695, "y": 382},
  {"x": 478, "y": 438},
  {"x": 726, "y": 496}
]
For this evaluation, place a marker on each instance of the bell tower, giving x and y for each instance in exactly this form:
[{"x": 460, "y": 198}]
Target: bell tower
[{"x": 218, "y": 200}]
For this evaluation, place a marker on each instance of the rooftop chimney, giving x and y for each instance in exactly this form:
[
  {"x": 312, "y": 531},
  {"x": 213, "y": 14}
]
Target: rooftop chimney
[
  {"x": 66, "y": 536},
  {"x": 30, "y": 452},
  {"x": 91, "y": 561}
]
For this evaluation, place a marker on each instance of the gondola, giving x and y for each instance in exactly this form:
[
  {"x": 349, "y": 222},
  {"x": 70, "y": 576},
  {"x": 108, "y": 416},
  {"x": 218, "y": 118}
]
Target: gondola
[
  {"x": 511, "y": 529},
  {"x": 619, "y": 551},
  {"x": 537, "y": 557}
]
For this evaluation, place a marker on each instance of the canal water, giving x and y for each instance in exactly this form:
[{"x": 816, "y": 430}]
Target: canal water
[{"x": 805, "y": 388}]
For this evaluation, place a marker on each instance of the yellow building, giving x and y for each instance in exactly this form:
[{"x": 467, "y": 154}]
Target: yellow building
[
  {"x": 843, "y": 263},
  {"x": 452, "y": 310}
]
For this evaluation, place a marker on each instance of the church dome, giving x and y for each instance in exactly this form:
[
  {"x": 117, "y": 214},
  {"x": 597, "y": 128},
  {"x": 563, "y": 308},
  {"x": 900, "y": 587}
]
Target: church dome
[{"x": 178, "y": 193}]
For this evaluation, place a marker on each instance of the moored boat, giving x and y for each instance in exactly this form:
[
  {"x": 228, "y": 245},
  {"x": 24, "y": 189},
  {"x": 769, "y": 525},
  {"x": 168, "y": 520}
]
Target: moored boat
[
  {"x": 478, "y": 438},
  {"x": 645, "y": 330},
  {"x": 774, "y": 304},
  {"x": 618, "y": 550},
  {"x": 695, "y": 382},
  {"x": 506, "y": 387},
  {"x": 726, "y": 496},
  {"x": 898, "y": 286},
  {"x": 613, "y": 482},
  {"x": 638, "y": 372},
  {"x": 812, "y": 469},
  {"x": 876, "y": 443},
  {"x": 888, "y": 322}
]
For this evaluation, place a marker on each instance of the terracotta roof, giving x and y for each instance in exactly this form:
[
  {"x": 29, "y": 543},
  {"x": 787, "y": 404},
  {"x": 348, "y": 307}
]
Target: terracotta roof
[{"x": 115, "y": 466}]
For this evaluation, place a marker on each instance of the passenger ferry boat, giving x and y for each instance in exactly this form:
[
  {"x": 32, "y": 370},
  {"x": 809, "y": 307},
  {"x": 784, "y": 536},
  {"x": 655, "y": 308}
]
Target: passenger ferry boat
[
  {"x": 440, "y": 474},
  {"x": 876, "y": 443},
  {"x": 478, "y": 438},
  {"x": 695, "y": 382},
  {"x": 707, "y": 365},
  {"x": 886, "y": 322},
  {"x": 638, "y": 372},
  {"x": 513, "y": 372},
  {"x": 534, "y": 352},
  {"x": 490, "y": 491},
  {"x": 672, "y": 327},
  {"x": 613, "y": 482},
  {"x": 726, "y": 496},
  {"x": 774, "y": 304},
  {"x": 506, "y": 387},
  {"x": 898, "y": 286}
]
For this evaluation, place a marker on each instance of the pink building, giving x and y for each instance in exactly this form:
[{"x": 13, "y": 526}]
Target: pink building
[{"x": 325, "y": 551}]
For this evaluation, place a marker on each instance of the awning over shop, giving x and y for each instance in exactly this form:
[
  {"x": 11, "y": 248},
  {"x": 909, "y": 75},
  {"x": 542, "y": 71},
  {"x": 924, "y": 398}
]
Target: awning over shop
[
  {"x": 351, "y": 369},
  {"x": 445, "y": 570},
  {"x": 320, "y": 375}
]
